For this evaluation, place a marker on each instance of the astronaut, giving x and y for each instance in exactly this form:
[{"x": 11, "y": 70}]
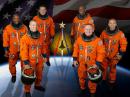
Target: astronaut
[
  {"x": 12, "y": 35},
  {"x": 33, "y": 54},
  {"x": 88, "y": 52},
  {"x": 78, "y": 22},
  {"x": 115, "y": 44},
  {"x": 46, "y": 26}
]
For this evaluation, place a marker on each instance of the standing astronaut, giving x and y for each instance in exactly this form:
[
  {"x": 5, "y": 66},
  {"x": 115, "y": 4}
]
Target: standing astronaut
[
  {"x": 46, "y": 26},
  {"x": 33, "y": 54},
  {"x": 88, "y": 53},
  {"x": 12, "y": 35},
  {"x": 78, "y": 22},
  {"x": 115, "y": 44}
]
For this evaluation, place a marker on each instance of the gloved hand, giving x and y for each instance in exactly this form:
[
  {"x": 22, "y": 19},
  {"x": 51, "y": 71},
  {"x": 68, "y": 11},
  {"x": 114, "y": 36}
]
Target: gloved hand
[
  {"x": 44, "y": 57},
  {"x": 11, "y": 56},
  {"x": 75, "y": 63},
  {"x": 6, "y": 53},
  {"x": 98, "y": 63},
  {"x": 45, "y": 60},
  {"x": 119, "y": 55}
]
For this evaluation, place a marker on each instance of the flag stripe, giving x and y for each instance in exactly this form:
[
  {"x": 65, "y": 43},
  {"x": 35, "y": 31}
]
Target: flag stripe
[
  {"x": 104, "y": 12},
  {"x": 59, "y": 2}
]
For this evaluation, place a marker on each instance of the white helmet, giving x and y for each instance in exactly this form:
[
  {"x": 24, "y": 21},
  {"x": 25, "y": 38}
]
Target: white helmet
[
  {"x": 94, "y": 74},
  {"x": 28, "y": 79}
]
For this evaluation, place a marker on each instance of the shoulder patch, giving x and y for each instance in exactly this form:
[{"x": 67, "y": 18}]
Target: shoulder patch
[
  {"x": 91, "y": 21},
  {"x": 100, "y": 43},
  {"x": 80, "y": 47},
  {"x": 122, "y": 35}
]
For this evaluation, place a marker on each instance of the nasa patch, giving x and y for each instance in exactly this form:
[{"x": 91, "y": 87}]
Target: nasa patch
[{"x": 80, "y": 47}]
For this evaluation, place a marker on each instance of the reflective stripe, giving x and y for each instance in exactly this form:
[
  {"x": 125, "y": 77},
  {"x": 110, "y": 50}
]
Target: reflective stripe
[
  {"x": 86, "y": 54},
  {"x": 81, "y": 55},
  {"x": 14, "y": 43},
  {"x": 44, "y": 30},
  {"x": 33, "y": 55},
  {"x": 78, "y": 30},
  {"x": 109, "y": 47},
  {"x": 37, "y": 55},
  {"x": 18, "y": 41}
]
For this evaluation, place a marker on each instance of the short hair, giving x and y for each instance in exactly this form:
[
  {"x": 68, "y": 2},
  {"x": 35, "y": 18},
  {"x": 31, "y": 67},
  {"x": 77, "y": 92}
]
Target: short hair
[
  {"x": 43, "y": 5},
  {"x": 16, "y": 14},
  {"x": 112, "y": 19},
  {"x": 82, "y": 6},
  {"x": 32, "y": 21},
  {"x": 88, "y": 24}
]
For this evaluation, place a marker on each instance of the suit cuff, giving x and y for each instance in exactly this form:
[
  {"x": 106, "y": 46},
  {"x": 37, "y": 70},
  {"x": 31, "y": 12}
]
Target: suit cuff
[
  {"x": 26, "y": 62},
  {"x": 44, "y": 55},
  {"x": 98, "y": 63},
  {"x": 121, "y": 53},
  {"x": 74, "y": 58},
  {"x": 6, "y": 48}
]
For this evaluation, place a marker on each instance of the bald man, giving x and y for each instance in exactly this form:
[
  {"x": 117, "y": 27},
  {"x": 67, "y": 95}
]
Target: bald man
[
  {"x": 88, "y": 51},
  {"x": 33, "y": 54}
]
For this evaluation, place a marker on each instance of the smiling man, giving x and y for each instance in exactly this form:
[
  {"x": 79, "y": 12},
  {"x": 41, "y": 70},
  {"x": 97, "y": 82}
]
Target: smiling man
[
  {"x": 12, "y": 35},
  {"x": 33, "y": 55},
  {"x": 78, "y": 22},
  {"x": 46, "y": 26},
  {"x": 115, "y": 44},
  {"x": 88, "y": 52}
]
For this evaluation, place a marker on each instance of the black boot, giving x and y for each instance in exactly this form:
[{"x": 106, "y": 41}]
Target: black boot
[
  {"x": 111, "y": 86},
  {"x": 82, "y": 92},
  {"x": 92, "y": 95},
  {"x": 13, "y": 79},
  {"x": 40, "y": 88},
  {"x": 28, "y": 94},
  {"x": 48, "y": 63}
]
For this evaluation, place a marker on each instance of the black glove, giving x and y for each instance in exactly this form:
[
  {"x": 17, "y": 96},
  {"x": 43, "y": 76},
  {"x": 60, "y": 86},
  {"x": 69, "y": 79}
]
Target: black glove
[
  {"x": 74, "y": 59},
  {"x": 6, "y": 51},
  {"x": 121, "y": 53}
]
